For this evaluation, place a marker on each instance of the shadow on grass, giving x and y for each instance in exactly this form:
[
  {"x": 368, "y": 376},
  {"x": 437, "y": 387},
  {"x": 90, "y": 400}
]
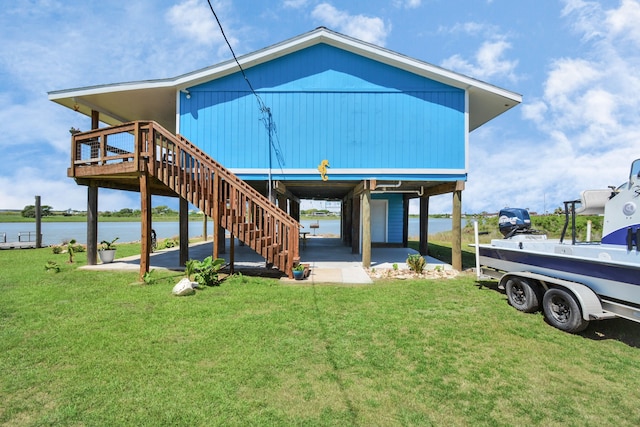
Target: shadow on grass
[
  {"x": 623, "y": 330},
  {"x": 442, "y": 251}
]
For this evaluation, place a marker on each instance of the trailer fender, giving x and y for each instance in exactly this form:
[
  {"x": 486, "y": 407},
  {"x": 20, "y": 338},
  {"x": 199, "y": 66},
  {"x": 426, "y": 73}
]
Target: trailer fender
[{"x": 588, "y": 301}]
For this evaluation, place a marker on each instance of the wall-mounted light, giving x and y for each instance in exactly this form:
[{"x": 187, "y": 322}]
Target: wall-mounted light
[{"x": 187, "y": 94}]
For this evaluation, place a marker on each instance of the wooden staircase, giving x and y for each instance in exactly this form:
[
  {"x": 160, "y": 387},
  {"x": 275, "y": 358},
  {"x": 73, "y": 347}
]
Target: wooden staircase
[{"x": 115, "y": 157}]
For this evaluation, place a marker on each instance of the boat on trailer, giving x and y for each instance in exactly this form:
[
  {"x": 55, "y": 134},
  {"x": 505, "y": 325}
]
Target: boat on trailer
[{"x": 573, "y": 282}]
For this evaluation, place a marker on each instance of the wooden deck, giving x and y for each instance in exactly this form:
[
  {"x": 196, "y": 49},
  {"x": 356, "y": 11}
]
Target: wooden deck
[
  {"x": 26, "y": 240},
  {"x": 18, "y": 245}
]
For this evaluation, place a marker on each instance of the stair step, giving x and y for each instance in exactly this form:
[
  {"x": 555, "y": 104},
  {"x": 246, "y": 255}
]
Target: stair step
[
  {"x": 255, "y": 234},
  {"x": 194, "y": 179},
  {"x": 270, "y": 251},
  {"x": 266, "y": 241}
]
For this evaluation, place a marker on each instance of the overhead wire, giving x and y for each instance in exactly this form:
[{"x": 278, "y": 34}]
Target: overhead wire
[
  {"x": 260, "y": 103},
  {"x": 266, "y": 111}
]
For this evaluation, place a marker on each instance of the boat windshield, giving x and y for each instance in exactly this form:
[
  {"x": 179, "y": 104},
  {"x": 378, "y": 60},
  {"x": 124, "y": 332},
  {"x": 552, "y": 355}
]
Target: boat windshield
[{"x": 635, "y": 171}]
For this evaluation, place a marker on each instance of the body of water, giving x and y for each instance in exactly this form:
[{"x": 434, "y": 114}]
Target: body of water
[
  {"x": 58, "y": 232},
  {"x": 330, "y": 226},
  {"x": 54, "y": 233}
]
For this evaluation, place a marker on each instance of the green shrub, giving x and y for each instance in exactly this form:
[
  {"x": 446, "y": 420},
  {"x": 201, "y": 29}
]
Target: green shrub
[
  {"x": 206, "y": 271},
  {"x": 71, "y": 249},
  {"x": 107, "y": 246},
  {"x": 167, "y": 243},
  {"x": 416, "y": 263},
  {"x": 549, "y": 224},
  {"x": 52, "y": 267},
  {"x": 148, "y": 278},
  {"x": 190, "y": 268}
]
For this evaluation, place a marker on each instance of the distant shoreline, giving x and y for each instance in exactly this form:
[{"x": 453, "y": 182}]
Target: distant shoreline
[
  {"x": 17, "y": 218},
  {"x": 4, "y": 218},
  {"x": 82, "y": 218}
]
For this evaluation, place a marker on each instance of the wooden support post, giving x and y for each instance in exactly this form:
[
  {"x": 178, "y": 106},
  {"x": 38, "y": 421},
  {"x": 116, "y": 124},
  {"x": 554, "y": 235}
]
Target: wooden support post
[
  {"x": 347, "y": 214},
  {"x": 355, "y": 225},
  {"x": 456, "y": 228},
  {"x": 405, "y": 221},
  {"x": 184, "y": 231},
  {"x": 38, "y": 223},
  {"x": 294, "y": 209},
  {"x": 218, "y": 232},
  {"x": 92, "y": 207},
  {"x": 95, "y": 119},
  {"x": 92, "y": 225},
  {"x": 366, "y": 228},
  {"x": 232, "y": 253},
  {"x": 204, "y": 228},
  {"x": 145, "y": 225},
  {"x": 282, "y": 201},
  {"x": 423, "y": 245},
  {"x": 220, "y": 242},
  {"x": 216, "y": 239},
  {"x": 343, "y": 223}
]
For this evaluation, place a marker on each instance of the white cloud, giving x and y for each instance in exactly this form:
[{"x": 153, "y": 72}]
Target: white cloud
[
  {"x": 470, "y": 28},
  {"x": 407, "y": 4},
  {"x": 623, "y": 21},
  {"x": 592, "y": 98},
  {"x": 295, "y": 4},
  {"x": 96, "y": 44},
  {"x": 569, "y": 75},
  {"x": 534, "y": 111},
  {"x": 369, "y": 29},
  {"x": 587, "y": 112},
  {"x": 193, "y": 19},
  {"x": 56, "y": 190},
  {"x": 489, "y": 62},
  {"x": 584, "y": 16}
]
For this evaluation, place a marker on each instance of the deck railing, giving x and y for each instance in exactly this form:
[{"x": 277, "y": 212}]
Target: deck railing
[{"x": 193, "y": 175}]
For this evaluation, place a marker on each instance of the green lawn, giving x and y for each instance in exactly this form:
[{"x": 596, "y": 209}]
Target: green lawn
[{"x": 80, "y": 348}]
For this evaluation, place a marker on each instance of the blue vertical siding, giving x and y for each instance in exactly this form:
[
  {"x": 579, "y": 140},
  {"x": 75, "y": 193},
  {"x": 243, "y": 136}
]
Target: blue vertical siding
[
  {"x": 328, "y": 104},
  {"x": 394, "y": 216}
]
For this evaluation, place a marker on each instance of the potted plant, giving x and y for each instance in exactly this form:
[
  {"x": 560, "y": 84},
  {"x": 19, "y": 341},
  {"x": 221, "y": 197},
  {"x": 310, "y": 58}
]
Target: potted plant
[
  {"x": 108, "y": 251},
  {"x": 298, "y": 272}
]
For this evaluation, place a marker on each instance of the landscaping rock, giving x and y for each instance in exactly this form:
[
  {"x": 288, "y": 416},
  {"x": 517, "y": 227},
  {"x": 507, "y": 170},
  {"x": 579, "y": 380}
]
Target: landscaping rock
[
  {"x": 184, "y": 287},
  {"x": 403, "y": 274}
]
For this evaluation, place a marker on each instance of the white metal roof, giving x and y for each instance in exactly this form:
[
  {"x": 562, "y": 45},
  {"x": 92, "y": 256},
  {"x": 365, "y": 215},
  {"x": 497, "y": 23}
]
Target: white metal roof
[{"x": 156, "y": 99}]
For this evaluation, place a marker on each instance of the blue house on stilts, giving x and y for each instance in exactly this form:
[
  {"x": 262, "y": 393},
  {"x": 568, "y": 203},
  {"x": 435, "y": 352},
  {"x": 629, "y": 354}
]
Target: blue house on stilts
[{"x": 388, "y": 128}]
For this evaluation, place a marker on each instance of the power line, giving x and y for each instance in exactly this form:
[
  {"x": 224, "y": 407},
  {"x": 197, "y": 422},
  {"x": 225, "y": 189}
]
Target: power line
[
  {"x": 263, "y": 107},
  {"x": 266, "y": 111}
]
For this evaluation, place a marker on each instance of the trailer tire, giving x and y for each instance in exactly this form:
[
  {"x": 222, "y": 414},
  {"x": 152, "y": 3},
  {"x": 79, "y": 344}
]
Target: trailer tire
[
  {"x": 523, "y": 295},
  {"x": 562, "y": 311}
]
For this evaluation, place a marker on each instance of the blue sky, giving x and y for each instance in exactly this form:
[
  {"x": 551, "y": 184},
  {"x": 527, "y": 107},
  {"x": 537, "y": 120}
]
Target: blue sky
[{"x": 575, "y": 62}]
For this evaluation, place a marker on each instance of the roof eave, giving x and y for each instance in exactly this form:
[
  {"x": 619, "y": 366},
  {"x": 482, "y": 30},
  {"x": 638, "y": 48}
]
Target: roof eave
[{"x": 494, "y": 100}]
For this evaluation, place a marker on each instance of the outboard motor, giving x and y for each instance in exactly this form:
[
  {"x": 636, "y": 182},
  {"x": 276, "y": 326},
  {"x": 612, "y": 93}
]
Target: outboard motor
[{"x": 514, "y": 220}]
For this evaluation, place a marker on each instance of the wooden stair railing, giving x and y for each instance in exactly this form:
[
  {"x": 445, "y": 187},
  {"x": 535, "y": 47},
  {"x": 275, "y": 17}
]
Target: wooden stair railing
[{"x": 196, "y": 177}]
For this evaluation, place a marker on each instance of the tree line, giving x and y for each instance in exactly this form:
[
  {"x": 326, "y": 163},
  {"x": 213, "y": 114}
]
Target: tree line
[{"x": 29, "y": 211}]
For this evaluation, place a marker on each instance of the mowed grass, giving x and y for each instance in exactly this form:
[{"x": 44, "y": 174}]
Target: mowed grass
[{"x": 85, "y": 348}]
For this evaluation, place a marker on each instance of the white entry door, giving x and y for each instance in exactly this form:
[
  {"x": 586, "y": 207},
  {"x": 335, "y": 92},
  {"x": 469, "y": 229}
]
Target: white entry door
[{"x": 379, "y": 210}]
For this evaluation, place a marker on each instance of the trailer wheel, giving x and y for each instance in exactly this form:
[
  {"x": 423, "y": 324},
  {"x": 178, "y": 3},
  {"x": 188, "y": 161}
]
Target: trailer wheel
[
  {"x": 523, "y": 295},
  {"x": 562, "y": 311}
]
